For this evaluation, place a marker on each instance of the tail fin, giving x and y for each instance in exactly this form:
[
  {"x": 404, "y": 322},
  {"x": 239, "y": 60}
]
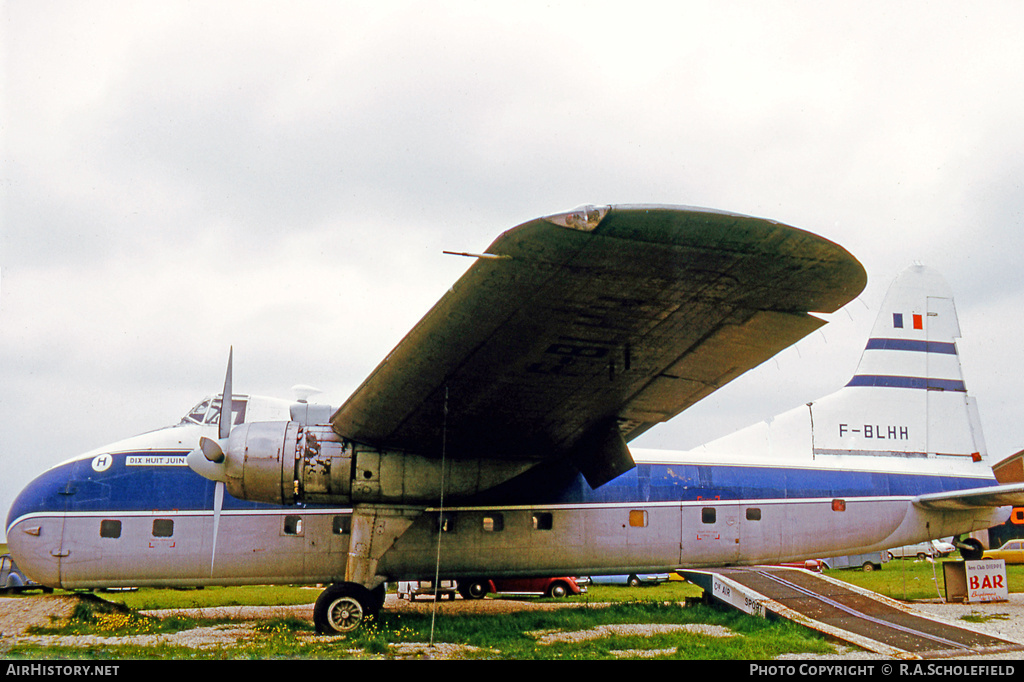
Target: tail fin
[
  {"x": 908, "y": 397},
  {"x": 913, "y": 342}
]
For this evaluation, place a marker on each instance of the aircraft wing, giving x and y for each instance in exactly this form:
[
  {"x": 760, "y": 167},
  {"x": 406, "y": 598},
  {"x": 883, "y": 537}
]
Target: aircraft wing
[
  {"x": 976, "y": 498},
  {"x": 580, "y": 331}
]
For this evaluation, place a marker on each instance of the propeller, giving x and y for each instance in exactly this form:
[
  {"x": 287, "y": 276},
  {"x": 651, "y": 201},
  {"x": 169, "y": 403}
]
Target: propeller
[{"x": 208, "y": 459}]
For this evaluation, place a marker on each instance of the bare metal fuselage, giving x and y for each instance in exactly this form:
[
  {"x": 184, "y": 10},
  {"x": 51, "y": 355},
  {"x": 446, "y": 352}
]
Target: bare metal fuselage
[{"x": 145, "y": 519}]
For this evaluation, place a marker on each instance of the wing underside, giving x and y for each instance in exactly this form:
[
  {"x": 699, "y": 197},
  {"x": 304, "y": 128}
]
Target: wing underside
[
  {"x": 978, "y": 498},
  {"x": 572, "y": 330}
]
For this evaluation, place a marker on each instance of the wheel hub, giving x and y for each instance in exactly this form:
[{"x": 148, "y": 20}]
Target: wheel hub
[{"x": 346, "y": 614}]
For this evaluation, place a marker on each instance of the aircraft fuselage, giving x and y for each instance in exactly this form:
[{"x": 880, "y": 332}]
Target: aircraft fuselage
[{"x": 144, "y": 518}]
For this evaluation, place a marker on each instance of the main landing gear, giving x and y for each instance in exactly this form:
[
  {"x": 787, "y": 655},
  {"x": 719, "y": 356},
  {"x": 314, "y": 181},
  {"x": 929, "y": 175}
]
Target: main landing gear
[
  {"x": 970, "y": 549},
  {"x": 343, "y": 607}
]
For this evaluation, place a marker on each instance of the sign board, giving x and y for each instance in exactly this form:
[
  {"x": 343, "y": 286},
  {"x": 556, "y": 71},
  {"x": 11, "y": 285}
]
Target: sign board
[
  {"x": 735, "y": 595},
  {"x": 986, "y": 580}
]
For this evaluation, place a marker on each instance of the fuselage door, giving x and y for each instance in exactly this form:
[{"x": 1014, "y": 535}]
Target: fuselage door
[{"x": 711, "y": 533}]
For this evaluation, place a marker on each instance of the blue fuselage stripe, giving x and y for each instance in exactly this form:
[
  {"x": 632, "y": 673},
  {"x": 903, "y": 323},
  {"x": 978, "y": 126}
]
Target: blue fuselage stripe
[
  {"x": 912, "y": 345},
  {"x": 76, "y": 488}
]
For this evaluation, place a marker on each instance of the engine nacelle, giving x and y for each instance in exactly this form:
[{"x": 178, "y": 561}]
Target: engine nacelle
[{"x": 289, "y": 463}]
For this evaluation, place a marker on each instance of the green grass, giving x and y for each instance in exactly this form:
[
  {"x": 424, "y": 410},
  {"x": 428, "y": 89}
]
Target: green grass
[
  {"x": 908, "y": 580},
  {"x": 250, "y": 595},
  {"x": 508, "y": 636}
]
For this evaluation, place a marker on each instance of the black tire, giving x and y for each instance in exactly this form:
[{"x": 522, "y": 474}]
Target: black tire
[
  {"x": 477, "y": 589},
  {"x": 633, "y": 581},
  {"x": 343, "y": 608},
  {"x": 971, "y": 549},
  {"x": 558, "y": 590}
]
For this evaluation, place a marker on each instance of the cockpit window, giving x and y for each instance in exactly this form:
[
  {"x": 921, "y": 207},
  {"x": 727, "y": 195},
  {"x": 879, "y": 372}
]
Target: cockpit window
[
  {"x": 208, "y": 412},
  {"x": 197, "y": 415}
]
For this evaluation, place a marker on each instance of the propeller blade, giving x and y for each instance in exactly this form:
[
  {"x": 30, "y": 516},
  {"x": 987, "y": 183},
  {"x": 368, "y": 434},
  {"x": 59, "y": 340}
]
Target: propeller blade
[
  {"x": 211, "y": 449},
  {"x": 226, "y": 412},
  {"x": 218, "y": 504}
]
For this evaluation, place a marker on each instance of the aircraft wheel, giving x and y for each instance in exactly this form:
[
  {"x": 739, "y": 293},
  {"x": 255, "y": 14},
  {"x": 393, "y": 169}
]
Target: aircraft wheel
[
  {"x": 379, "y": 594},
  {"x": 971, "y": 549},
  {"x": 342, "y": 608}
]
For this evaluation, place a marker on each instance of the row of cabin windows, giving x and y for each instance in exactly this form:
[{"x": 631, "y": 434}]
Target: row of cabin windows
[
  {"x": 162, "y": 528},
  {"x": 492, "y": 523},
  {"x": 341, "y": 525}
]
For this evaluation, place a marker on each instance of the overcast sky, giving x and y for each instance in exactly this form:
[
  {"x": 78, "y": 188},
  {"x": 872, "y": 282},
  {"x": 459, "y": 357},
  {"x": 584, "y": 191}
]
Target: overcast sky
[{"x": 180, "y": 177}]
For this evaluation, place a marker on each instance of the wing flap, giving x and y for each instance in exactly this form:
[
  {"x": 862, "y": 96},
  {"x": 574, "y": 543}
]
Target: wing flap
[
  {"x": 977, "y": 498},
  {"x": 729, "y": 352},
  {"x": 631, "y": 321}
]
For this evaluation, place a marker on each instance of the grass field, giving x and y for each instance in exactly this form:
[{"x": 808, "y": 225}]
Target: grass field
[
  {"x": 905, "y": 580},
  {"x": 587, "y": 632}
]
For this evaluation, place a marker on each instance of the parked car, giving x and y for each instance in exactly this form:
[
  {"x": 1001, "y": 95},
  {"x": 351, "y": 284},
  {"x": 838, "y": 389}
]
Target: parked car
[
  {"x": 814, "y": 565},
  {"x": 547, "y": 587},
  {"x": 1012, "y": 552},
  {"x": 932, "y": 548},
  {"x": 410, "y": 589},
  {"x": 633, "y": 580},
  {"x": 872, "y": 561},
  {"x": 13, "y": 580}
]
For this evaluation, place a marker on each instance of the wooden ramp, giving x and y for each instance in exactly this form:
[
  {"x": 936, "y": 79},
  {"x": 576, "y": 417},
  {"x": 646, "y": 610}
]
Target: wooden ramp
[{"x": 854, "y": 615}]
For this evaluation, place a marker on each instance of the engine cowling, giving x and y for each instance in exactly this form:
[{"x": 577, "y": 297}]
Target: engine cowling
[{"x": 290, "y": 463}]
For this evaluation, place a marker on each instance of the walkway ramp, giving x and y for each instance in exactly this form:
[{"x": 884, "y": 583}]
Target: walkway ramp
[{"x": 866, "y": 619}]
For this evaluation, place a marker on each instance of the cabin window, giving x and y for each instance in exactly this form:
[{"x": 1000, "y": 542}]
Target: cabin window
[
  {"x": 110, "y": 528},
  {"x": 753, "y": 514},
  {"x": 494, "y": 523},
  {"x": 638, "y": 518},
  {"x": 542, "y": 521},
  {"x": 163, "y": 528},
  {"x": 708, "y": 515},
  {"x": 342, "y": 525},
  {"x": 293, "y": 525},
  {"x": 839, "y": 505}
]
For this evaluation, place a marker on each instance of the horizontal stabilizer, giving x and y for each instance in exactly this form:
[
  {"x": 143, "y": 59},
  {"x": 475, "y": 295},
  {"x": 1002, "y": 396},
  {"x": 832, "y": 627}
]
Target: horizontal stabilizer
[{"x": 976, "y": 498}]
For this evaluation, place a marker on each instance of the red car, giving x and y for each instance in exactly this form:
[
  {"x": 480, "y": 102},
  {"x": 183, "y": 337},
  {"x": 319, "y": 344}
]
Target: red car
[{"x": 548, "y": 587}]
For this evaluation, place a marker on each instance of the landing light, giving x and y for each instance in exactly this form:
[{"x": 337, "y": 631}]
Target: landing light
[{"x": 583, "y": 218}]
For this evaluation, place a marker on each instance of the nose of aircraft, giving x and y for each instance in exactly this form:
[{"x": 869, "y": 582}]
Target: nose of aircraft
[{"x": 34, "y": 527}]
